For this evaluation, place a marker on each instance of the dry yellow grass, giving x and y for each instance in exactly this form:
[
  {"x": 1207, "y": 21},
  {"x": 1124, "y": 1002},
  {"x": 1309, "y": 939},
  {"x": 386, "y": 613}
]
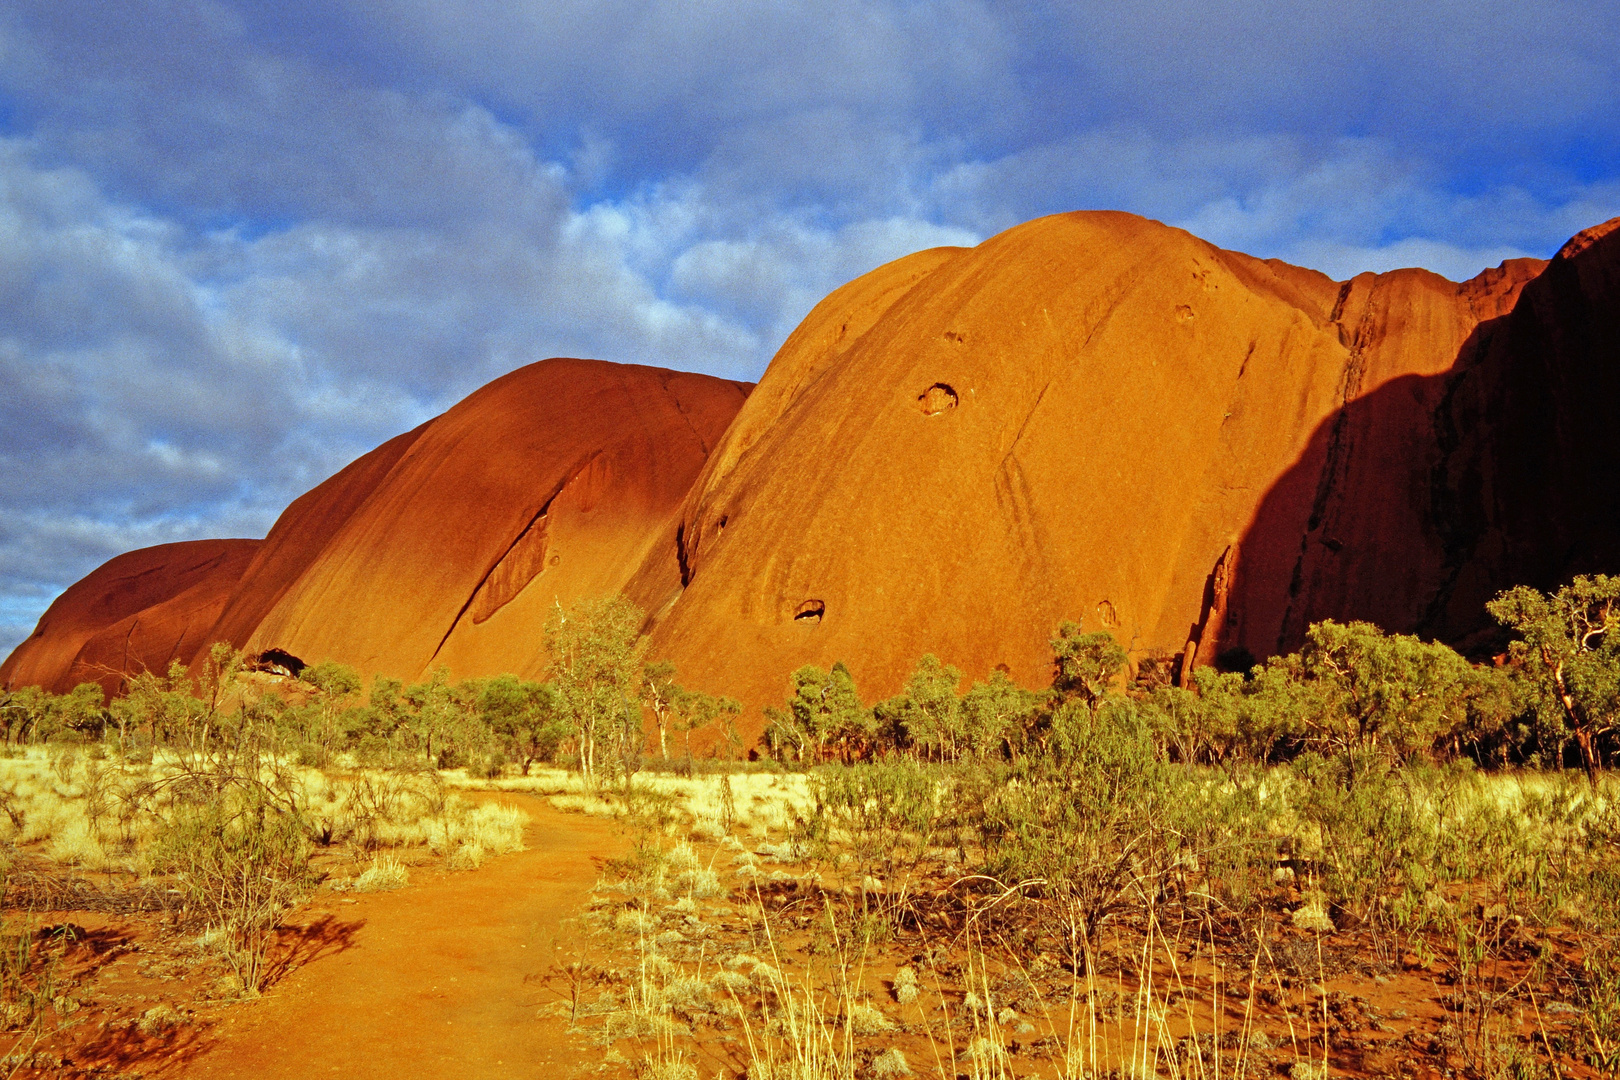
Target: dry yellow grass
[
  {"x": 383, "y": 875},
  {"x": 759, "y": 804},
  {"x": 91, "y": 813}
]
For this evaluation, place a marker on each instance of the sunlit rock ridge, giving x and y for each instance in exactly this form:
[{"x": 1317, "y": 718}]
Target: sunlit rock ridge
[{"x": 1090, "y": 416}]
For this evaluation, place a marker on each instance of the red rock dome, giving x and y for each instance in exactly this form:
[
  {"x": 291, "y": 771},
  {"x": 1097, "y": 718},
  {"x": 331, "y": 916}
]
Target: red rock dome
[
  {"x": 136, "y": 612},
  {"x": 1097, "y": 416},
  {"x": 1091, "y": 416},
  {"x": 551, "y": 483}
]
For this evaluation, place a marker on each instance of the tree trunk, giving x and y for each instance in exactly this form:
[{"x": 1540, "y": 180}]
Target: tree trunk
[
  {"x": 1583, "y": 734},
  {"x": 1583, "y": 739}
]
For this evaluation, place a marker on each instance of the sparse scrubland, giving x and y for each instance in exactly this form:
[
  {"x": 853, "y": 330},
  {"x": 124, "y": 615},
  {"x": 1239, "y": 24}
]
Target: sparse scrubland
[{"x": 1364, "y": 857}]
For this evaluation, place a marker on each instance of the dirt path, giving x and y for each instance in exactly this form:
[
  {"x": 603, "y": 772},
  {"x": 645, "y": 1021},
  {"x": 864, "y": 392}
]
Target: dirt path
[{"x": 441, "y": 979}]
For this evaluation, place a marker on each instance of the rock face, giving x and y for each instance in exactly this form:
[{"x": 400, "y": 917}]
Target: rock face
[
  {"x": 1097, "y": 417},
  {"x": 445, "y": 546},
  {"x": 552, "y": 483},
  {"x": 136, "y": 612},
  {"x": 1090, "y": 416}
]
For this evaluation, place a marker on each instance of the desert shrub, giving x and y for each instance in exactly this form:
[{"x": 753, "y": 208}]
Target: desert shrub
[
  {"x": 238, "y": 850},
  {"x": 1599, "y": 1035},
  {"x": 28, "y": 973},
  {"x": 884, "y": 815},
  {"x": 1073, "y": 826},
  {"x": 1364, "y": 827}
]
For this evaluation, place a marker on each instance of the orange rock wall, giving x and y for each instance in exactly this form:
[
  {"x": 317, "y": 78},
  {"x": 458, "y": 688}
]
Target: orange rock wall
[
  {"x": 1099, "y": 417},
  {"x": 551, "y": 483},
  {"x": 136, "y": 612}
]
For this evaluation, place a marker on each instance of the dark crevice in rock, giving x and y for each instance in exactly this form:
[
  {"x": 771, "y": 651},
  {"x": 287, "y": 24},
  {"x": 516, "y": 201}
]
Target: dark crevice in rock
[
  {"x": 278, "y": 662},
  {"x": 538, "y": 520}
]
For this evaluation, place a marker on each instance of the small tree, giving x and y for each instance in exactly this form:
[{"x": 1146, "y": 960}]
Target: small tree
[
  {"x": 524, "y": 716},
  {"x": 328, "y": 719},
  {"x": 168, "y": 711},
  {"x": 1389, "y": 691},
  {"x": 927, "y": 715},
  {"x": 660, "y": 694},
  {"x": 433, "y": 715},
  {"x": 823, "y": 711},
  {"x": 693, "y": 710},
  {"x": 994, "y": 715},
  {"x": 1084, "y": 665},
  {"x": 20, "y": 711},
  {"x": 81, "y": 712},
  {"x": 1569, "y": 657},
  {"x": 596, "y": 651}
]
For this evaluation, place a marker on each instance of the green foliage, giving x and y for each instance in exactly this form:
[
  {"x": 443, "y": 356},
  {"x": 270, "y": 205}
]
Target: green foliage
[
  {"x": 1367, "y": 691},
  {"x": 1073, "y": 825},
  {"x": 596, "y": 651},
  {"x": 30, "y": 714},
  {"x": 1352, "y": 690},
  {"x": 694, "y": 711},
  {"x": 526, "y": 718},
  {"x": 1568, "y": 658},
  {"x": 238, "y": 849},
  {"x": 1084, "y": 666},
  {"x": 927, "y": 716},
  {"x": 332, "y": 719},
  {"x": 995, "y": 715},
  {"x": 333, "y": 678},
  {"x": 886, "y": 814},
  {"x": 174, "y": 710},
  {"x": 823, "y": 718}
]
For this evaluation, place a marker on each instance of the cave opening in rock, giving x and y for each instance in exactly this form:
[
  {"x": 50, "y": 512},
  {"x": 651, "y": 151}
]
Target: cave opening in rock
[
  {"x": 810, "y": 610},
  {"x": 278, "y": 662}
]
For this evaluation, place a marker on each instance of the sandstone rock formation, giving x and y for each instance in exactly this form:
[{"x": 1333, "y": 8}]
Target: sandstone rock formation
[
  {"x": 445, "y": 546},
  {"x": 551, "y": 483},
  {"x": 1097, "y": 416},
  {"x": 136, "y": 612},
  {"x": 1091, "y": 416}
]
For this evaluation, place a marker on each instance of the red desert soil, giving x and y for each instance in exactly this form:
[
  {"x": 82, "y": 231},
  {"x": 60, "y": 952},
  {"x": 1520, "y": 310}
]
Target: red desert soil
[{"x": 440, "y": 979}]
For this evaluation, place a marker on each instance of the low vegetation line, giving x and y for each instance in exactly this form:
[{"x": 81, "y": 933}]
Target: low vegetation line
[{"x": 1371, "y": 855}]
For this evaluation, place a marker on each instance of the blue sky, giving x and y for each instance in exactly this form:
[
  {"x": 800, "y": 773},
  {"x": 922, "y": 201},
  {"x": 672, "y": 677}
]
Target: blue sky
[{"x": 242, "y": 243}]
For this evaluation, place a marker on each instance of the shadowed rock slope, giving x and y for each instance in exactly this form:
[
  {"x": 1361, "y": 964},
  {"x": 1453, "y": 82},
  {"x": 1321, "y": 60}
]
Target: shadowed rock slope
[{"x": 1089, "y": 416}]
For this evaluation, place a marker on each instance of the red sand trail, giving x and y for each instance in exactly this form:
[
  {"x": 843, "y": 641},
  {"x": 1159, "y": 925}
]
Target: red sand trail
[{"x": 441, "y": 979}]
